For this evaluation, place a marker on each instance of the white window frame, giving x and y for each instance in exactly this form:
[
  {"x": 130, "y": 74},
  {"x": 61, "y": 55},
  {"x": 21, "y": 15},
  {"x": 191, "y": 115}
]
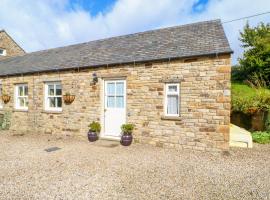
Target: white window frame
[
  {"x": 4, "y": 52},
  {"x": 17, "y": 97},
  {"x": 47, "y": 96},
  {"x": 167, "y": 93}
]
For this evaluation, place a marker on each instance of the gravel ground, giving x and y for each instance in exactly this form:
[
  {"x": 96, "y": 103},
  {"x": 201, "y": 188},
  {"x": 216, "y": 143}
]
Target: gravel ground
[{"x": 81, "y": 170}]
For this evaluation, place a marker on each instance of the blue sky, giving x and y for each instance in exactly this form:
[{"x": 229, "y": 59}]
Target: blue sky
[
  {"x": 93, "y": 6},
  {"x": 44, "y": 24}
]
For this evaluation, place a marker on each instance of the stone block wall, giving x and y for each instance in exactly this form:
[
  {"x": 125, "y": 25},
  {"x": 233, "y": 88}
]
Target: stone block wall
[
  {"x": 11, "y": 47},
  {"x": 204, "y": 118}
]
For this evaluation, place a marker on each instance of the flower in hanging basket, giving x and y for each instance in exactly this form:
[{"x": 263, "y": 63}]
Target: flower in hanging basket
[
  {"x": 68, "y": 98},
  {"x": 5, "y": 98}
]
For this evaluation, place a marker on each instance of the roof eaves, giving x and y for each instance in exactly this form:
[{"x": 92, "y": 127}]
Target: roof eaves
[{"x": 113, "y": 64}]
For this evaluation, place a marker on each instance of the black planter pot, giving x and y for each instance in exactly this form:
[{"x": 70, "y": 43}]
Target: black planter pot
[
  {"x": 92, "y": 136},
  {"x": 126, "y": 139}
]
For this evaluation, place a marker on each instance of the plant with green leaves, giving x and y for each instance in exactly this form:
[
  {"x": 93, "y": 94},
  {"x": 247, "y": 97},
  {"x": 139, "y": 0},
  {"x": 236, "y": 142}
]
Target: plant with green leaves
[
  {"x": 250, "y": 99},
  {"x": 127, "y": 129},
  {"x": 255, "y": 63},
  {"x": 6, "y": 121},
  {"x": 261, "y": 137},
  {"x": 95, "y": 127}
]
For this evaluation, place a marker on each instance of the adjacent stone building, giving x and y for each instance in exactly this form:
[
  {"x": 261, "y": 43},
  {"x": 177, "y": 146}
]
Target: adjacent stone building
[
  {"x": 172, "y": 83},
  {"x": 8, "y": 47}
]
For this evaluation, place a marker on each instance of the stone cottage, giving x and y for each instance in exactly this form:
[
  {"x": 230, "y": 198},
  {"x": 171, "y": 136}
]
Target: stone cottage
[
  {"x": 8, "y": 47},
  {"x": 172, "y": 83}
]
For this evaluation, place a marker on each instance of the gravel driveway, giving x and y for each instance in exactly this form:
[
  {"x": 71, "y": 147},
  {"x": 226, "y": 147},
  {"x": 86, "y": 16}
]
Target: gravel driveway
[{"x": 80, "y": 170}]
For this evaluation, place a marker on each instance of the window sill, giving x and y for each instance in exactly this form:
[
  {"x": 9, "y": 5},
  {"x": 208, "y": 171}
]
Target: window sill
[
  {"x": 19, "y": 110},
  {"x": 52, "y": 111},
  {"x": 176, "y": 118}
]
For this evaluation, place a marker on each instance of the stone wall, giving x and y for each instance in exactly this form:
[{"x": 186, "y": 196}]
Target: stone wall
[
  {"x": 11, "y": 47},
  {"x": 204, "y": 102}
]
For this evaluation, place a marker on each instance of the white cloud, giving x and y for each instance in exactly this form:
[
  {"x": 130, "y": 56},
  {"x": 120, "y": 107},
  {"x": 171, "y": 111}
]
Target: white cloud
[{"x": 42, "y": 24}]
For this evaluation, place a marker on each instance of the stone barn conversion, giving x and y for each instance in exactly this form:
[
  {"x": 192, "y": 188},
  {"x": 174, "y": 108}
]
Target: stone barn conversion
[
  {"x": 173, "y": 84},
  {"x": 8, "y": 47}
]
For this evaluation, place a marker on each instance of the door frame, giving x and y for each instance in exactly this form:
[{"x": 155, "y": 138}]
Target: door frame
[{"x": 103, "y": 99}]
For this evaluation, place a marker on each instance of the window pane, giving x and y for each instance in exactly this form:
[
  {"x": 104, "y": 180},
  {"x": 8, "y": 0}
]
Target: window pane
[
  {"x": 119, "y": 89},
  {"x": 172, "y": 104},
  {"x": 26, "y": 102},
  {"x": 172, "y": 88},
  {"x": 59, "y": 102},
  {"x": 25, "y": 90},
  {"x": 110, "y": 88},
  {"x": 52, "y": 102},
  {"x": 110, "y": 102},
  {"x": 20, "y": 91},
  {"x": 50, "y": 90},
  {"x": 120, "y": 102},
  {"x": 21, "y": 102},
  {"x": 58, "y": 89}
]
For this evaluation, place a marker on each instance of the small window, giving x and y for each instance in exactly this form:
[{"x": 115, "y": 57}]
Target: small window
[
  {"x": 3, "y": 52},
  {"x": 53, "y": 96},
  {"x": 21, "y": 97},
  {"x": 172, "y": 100}
]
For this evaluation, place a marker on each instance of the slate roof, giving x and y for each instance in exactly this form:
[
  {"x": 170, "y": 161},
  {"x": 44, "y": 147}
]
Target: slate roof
[{"x": 203, "y": 38}]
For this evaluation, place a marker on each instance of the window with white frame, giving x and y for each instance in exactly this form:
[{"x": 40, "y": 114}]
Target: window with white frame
[
  {"x": 172, "y": 99},
  {"x": 21, "y": 96},
  {"x": 53, "y": 96},
  {"x": 3, "y": 52}
]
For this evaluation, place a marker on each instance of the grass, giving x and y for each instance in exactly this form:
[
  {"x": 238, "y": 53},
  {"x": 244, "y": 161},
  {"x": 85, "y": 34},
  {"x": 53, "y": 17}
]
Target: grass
[
  {"x": 261, "y": 137},
  {"x": 242, "y": 90}
]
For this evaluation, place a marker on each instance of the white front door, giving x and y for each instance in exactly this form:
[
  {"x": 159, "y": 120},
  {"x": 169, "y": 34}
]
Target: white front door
[{"x": 115, "y": 107}]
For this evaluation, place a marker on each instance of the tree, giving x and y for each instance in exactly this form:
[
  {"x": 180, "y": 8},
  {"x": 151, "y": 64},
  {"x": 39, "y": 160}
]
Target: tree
[{"x": 255, "y": 63}]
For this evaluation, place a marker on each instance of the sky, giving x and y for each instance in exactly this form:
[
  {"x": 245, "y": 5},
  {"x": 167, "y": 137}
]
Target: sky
[{"x": 43, "y": 24}]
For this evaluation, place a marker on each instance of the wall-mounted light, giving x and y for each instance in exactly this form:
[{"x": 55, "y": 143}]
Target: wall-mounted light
[{"x": 95, "y": 78}]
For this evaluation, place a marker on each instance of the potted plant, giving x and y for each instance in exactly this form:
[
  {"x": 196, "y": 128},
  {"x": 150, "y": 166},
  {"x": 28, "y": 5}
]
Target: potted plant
[
  {"x": 126, "y": 138},
  {"x": 68, "y": 98},
  {"x": 93, "y": 131},
  {"x": 5, "y": 98}
]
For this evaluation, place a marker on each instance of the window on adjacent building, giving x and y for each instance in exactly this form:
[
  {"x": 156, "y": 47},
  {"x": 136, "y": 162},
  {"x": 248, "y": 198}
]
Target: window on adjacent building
[
  {"x": 53, "y": 96},
  {"x": 172, "y": 99},
  {"x": 21, "y": 96},
  {"x": 2, "y": 52}
]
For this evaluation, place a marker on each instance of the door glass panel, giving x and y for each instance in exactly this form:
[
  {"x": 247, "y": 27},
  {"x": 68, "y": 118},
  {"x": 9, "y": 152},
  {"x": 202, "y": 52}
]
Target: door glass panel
[
  {"x": 110, "y": 101},
  {"x": 119, "y": 89},
  {"x": 110, "y": 88},
  {"x": 120, "y": 102}
]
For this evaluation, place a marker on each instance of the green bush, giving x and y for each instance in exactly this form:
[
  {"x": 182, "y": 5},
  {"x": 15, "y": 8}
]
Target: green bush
[
  {"x": 95, "y": 127},
  {"x": 127, "y": 128},
  {"x": 261, "y": 137},
  {"x": 248, "y": 100}
]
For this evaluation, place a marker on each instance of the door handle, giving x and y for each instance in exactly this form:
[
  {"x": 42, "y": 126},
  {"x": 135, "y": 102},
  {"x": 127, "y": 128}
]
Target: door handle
[{"x": 105, "y": 110}]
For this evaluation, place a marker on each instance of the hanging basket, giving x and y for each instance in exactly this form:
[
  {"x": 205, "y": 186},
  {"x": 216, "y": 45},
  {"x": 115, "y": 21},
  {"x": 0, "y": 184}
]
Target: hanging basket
[
  {"x": 5, "y": 98},
  {"x": 68, "y": 98}
]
